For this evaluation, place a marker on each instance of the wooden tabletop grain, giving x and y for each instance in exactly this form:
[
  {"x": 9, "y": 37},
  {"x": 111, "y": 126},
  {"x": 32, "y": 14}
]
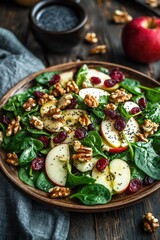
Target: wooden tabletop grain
[{"x": 126, "y": 223}]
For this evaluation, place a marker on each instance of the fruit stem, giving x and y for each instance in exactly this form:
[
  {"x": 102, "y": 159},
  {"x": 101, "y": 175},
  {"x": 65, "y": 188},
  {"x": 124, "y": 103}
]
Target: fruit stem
[
  {"x": 152, "y": 24},
  {"x": 129, "y": 145},
  {"x": 150, "y": 89}
]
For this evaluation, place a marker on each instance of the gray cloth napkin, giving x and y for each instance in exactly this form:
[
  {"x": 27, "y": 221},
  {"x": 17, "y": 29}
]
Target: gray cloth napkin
[{"x": 22, "y": 218}]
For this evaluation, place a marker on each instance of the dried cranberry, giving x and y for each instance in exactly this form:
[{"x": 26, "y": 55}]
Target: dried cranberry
[
  {"x": 44, "y": 140},
  {"x": 38, "y": 94},
  {"x": 73, "y": 103},
  {"x": 80, "y": 133},
  {"x": 61, "y": 136},
  {"x": 120, "y": 124},
  {"x": 91, "y": 127},
  {"x": 110, "y": 83},
  {"x": 101, "y": 164},
  {"x": 55, "y": 79},
  {"x": 142, "y": 103},
  {"x": 148, "y": 180},
  {"x": 134, "y": 185},
  {"x": 117, "y": 75},
  {"x": 113, "y": 114},
  {"x": 135, "y": 110},
  {"x": 38, "y": 163},
  {"x": 5, "y": 119},
  {"x": 95, "y": 80}
]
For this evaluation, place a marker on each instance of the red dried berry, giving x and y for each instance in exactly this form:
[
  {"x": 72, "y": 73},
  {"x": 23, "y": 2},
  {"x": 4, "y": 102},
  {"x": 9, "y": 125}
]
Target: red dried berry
[
  {"x": 73, "y": 103},
  {"x": 95, "y": 80},
  {"x": 120, "y": 124},
  {"x": 113, "y": 114},
  {"x": 44, "y": 140},
  {"x": 134, "y": 185},
  {"x": 80, "y": 133},
  {"x": 5, "y": 120},
  {"x": 91, "y": 127},
  {"x": 61, "y": 136},
  {"x": 38, "y": 94},
  {"x": 135, "y": 110},
  {"x": 117, "y": 75},
  {"x": 102, "y": 164},
  {"x": 148, "y": 180},
  {"x": 38, "y": 163},
  {"x": 55, "y": 79},
  {"x": 110, "y": 83},
  {"x": 142, "y": 103}
]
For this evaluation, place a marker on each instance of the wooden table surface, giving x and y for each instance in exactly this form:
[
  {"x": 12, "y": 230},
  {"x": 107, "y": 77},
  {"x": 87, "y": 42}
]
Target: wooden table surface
[{"x": 126, "y": 223}]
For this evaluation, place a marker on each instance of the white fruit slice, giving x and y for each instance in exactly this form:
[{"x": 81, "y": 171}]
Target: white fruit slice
[
  {"x": 66, "y": 77},
  {"x": 109, "y": 133},
  {"x": 47, "y": 106},
  {"x": 52, "y": 125},
  {"x": 85, "y": 166},
  {"x": 55, "y": 164},
  {"x": 129, "y": 105},
  {"x": 102, "y": 177},
  {"x": 130, "y": 131},
  {"x": 122, "y": 175},
  {"x": 71, "y": 116},
  {"x": 69, "y": 140},
  {"x": 95, "y": 92}
]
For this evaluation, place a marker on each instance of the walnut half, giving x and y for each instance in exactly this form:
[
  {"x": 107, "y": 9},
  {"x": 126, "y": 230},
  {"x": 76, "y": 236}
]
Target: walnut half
[
  {"x": 59, "y": 192},
  {"x": 150, "y": 223},
  {"x": 83, "y": 153}
]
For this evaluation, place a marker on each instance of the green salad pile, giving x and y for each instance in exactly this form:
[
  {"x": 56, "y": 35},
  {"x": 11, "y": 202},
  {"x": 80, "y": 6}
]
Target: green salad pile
[{"x": 84, "y": 134}]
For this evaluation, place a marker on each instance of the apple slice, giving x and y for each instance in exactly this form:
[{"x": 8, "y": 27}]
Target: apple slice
[
  {"x": 71, "y": 116},
  {"x": 129, "y": 105},
  {"x": 85, "y": 166},
  {"x": 55, "y": 164},
  {"x": 108, "y": 148},
  {"x": 52, "y": 125},
  {"x": 66, "y": 77},
  {"x": 109, "y": 133},
  {"x": 96, "y": 92},
  {"x": 69, "y": 140},
  {"x": 47, "y": 106}
]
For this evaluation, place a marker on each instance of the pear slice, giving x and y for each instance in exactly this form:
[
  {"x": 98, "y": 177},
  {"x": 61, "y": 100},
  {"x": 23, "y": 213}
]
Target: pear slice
[
  {"x": 95, "y": 92},
  {"x": 47, "y": 106},
  {"x": 85, "y": 166},
  {"x": 71, "y": 116},
  {"x": 66, "y": 77}
]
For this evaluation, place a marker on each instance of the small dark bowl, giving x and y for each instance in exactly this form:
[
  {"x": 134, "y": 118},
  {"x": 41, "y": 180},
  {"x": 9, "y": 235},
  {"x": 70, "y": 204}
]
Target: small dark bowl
[{"x": 58, "y": 41}]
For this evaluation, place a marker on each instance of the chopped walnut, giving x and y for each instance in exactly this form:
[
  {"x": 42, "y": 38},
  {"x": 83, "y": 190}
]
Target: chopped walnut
[
  {"x": 1, "y": 137},
  {"x": 119, "y": 95},
  {"x": 71, "y": 86},
  {"x": 141, "y": 137},
  {"x": 64, "y": 101},
  {"x": 29, "y": 104},
  {"x": 45, "y": 98},
  {"x": 58, "y": 90},
  {"x": 13, "y": 127},
  {"x": 84, "y": 120},
  {"x": 54, "y": 113},
  {"x": 12, "y": 159},
  {"x": 83, "y": 153},
  {"x": 91, "y": 37},
  {"x": 91, "y": 101},
  {"x": 99, "y": 49},
  {"x": 59, "y": 192},
  {"x": 36, "y": 122},
  {"x": 153, "y": 3},
  {"x": 110, "y": 106},
  {"x": 150, "y": 223},
  {"x": 149, "y": 127},
  {"x": 121, "y": 16}
]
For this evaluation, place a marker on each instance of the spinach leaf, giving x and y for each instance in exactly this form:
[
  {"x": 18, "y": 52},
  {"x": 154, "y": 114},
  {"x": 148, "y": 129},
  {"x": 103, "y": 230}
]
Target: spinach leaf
[
  {"x": 81, "y": 75},
  {"x": 137, "y": 173},
  {"x": 73, "y": 180},
  {"x": 123, "y": 155},
  {"x": 153, "y": 94},
  {"x": 80, "y": 102},
  {"x": 146, "y": 159},
  {"x": 43, "y": 183},
  {"x": 152, "y": 112},
  {"x": 45, "y": 77},
  {"x": 27, "y": 155},
  {"x": 37, "y": 132},
  {"x": 102, "y": 69},
  {"x": 24, "y": 175},
  {"x": 131, "y": 85},
  {"x": 156, "y": 144},
  {"x": 99, "y": 111},
  {"x": 94, "y": 141},
  {"x": 93, "y": 194}
]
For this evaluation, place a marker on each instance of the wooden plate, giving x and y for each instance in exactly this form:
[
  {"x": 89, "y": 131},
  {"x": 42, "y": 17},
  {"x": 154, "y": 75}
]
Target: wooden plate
[{"x": 118, "y": 201}]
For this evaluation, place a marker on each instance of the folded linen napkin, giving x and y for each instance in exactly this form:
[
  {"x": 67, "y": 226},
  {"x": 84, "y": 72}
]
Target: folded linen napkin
[{"x": 22, "y": 218}]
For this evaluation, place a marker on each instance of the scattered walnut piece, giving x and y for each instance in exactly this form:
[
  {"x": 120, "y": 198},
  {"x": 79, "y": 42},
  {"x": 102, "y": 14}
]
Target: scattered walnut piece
[
  {"x": 91, "y": 37},
  {"x": 150, "y": 223},
  {"x": 29, "y": 104},
  {"x": 91, "y": 101},
  {"x": 1, "y": 137},
  {"x": 59, "y": 192},
  {"x": 152, "y": 3},
  {"x": 149, "y": 127},
  {"x": 141, "y": 137},
  {"x": 98, "y": 49},
  {"x": 45, "y": 98},
  {"x": 121, "y": 16},
  {"x": 64, "y": 101},
  {"x": 36, "y": 122},
  {"x": 83, "y": 153},
  {"x": 58, "y": 90},
  {"x": 12, "y": 159},
  {"x": 71, "y": 86},
  {"x": 110, "y": 106},
  {"x": 84, "y": 120},
  {"x": 119, "y": 95},
  {"x": 54, "y": 113},
  {"x": 13, "y": 127}
]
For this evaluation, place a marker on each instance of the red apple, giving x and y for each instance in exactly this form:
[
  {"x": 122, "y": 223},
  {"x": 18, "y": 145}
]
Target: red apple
[
  {"x": 141, "y": 39},
  {"x": 118, "y": 150}
]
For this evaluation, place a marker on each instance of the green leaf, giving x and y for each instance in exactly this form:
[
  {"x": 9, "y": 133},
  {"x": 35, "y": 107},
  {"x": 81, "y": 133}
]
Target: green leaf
[
  {"x": 102, "y": 69},
  {"x": 152, "y": 112},
  {"x": 153, "y": 94},
  {"x": 37, "y": 132},
  {"x": 45, "y": 77},
  {"x": 137, "y": 173},
  {"x": 81, "y": 75},
  {"x": 27, "y": 156},
  {"x": 24, "y": 175},
  {"x": 156, "y": 144},
  {"x": 93, "y": 194},
  {"x": 131, "y": 85},
  {"x": 43, "y": 183}
]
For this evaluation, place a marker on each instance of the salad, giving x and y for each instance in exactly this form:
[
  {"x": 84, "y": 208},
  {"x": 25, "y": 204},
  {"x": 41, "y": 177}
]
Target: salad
[{"x": 85, "y": 134}]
